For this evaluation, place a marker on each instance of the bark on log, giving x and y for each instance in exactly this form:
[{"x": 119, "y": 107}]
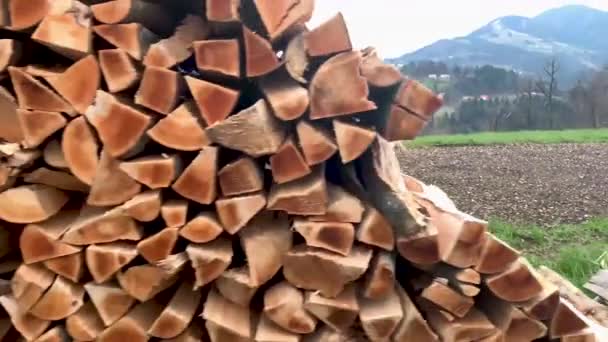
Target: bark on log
[
  {"x": 240, "y": 177},
  {"x": 203, "y": 228},
  {"x": 110, "y": 301},
  {"x": 317, "y": 144},
  {"x": 221, "y": 56},
  {"x": 118, "y": 69},
  {"x": 339, "y": 313},
  {"x": 305, "y": 196},
  {"x": 34, "y": 95},
  {"x": 215, "y": 102},
  {"x": 159, "y": 246},
  {"x": 174, "y": 213},
  {"x": 103, "y": 261},
  {"x": 38, "y": 125},
  {"x": 31, "y": 203},
  {"x": 80, "y": 150},
  {"x": 288, "y": 164},
  {"x": 61, "y": 300},
  {"x": 79, "y": 83},
  {"x": 85, "y": 324},
  {"x": 180, "y": 130},
  {"x": 133, "y": 38},
  {"x": 198, "y": 181},
  {"x": 337, "y": 237},
  {"x": 178, "y": 313},
  {"x": 209, "y": 260}
]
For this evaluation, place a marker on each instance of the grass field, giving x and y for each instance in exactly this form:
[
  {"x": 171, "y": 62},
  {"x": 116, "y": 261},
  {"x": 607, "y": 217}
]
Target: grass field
[{"x": 520, "y": 137}]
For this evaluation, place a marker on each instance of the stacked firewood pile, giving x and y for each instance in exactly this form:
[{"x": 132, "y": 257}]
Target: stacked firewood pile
[{"x": 215, "y": 170}]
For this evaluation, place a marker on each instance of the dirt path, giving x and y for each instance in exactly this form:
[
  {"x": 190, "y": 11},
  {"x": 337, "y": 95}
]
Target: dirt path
[{"x": 543, "y": 184}]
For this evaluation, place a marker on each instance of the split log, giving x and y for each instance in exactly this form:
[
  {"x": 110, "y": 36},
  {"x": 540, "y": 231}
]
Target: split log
[
  {"x": 180, "y": 130},
  {"x": 380, "y": 317},
  {"x": 144, "y": 207},
  {"x": 235, "y": 212},
  {"x": 474, "y": 326},
  {"x": 160, "y": 89},
  {"x": 284, "y": 305},
  {"x": 566, "y": 321},
  {"x": 288, "y": 164},
  {"x": 22, "y": 14},
  {"x": 31, "y": 203},
  {"x": 305, "y": 196},
  {"x": 221, "y": 56},
  {"x": 194, "y": 333},
  {"x": 103, "y": 261},
  {"x": 95, "y": 225},
  {"x": 45, "y": 72},
  {"x": 268, "y": 233},
  {"x": 61, "y": 300},
  {"x": 380, "y": 280},
  {"x": 110, "y": 301},
  {"x": 339, "y": 313},
  {"x": 85, "y": 324},
  {"x": 155, "y": 172},
  {"x": 79, "y": 83},
  {"x": 149, "y": 14},
  {"x": 523, "y": 328},
  {"x": 462, "y": 280},
  {"x": 38, "y": 125},
  {"x": 402, "y": 125},
  {"x": 209, "y": 260},
  {"x": 236, "y": 286},
  {"x": 159, "y": 246},
  {"x": 28, "y": 285},
  {"x": 37, "y": 245},
  {"x": 26, "y": 324},
  {"x": 542, "y": 307},
  {"x": 375, "y": 230},
  {"x": 33, "y": 94},
  {"x": 253, "y": 131},
  {"x": 380, "y": 75},
  {"x": 10, "y": 130},
  {"x": 178, "y": 313},
  {"x": 315, "y": 269},
  {"x": 111, "y": 186},
  {"x": 10, "y": 52},
  {"x": 517, "y": 284},
  {"x": 341, "y": 207},
  {"x": 296, "y": 59},
  {"x": 317, "y": 144},
  {"x": 119, "y": 70},
  {"x": 329, "y": 38},
  {"x": 80, "y": 150},
  {"x": 56, "y": 179},
  {"x": 496, "y": 256},
  {"x": 215, "y": 102},
  {"x": 135, "y": 324},
  {"x": 416, "y": 98},
  {"x": 260, "y": 58},
  {"x": 145, "y": 282},
  {"x": 413, "y": 326},
  {"x": 447, "y": 299},
  {"x": 223, "y": 11},
  {"x": 198, "y": 181},
  {"x": 203, "y": 228},
  {"x": 174, "y": 213},
  {"x": 281, "y": 17},
  {"x": 70, "y": 266},
  {"x": 268, "y": 331},
  {"x": 332, "y": 236},
  {"x": 132, "y": 38},
  {"x": 242, "y": 176},
  {"x": 226, "y": 321},
  {"x": 498, "y": 311}
]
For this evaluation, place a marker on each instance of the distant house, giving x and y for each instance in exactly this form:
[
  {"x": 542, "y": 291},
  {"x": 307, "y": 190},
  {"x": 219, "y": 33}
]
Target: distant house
[
  {"x": 433, "y": 76},
  {"x": 484, "y": 97},
  {"x": 445, "y": 77}
]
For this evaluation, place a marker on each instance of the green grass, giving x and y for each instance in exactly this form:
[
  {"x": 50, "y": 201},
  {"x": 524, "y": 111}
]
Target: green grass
[
  {"x": 519, "y": 137},
  {"x": 575, "y": 251}
]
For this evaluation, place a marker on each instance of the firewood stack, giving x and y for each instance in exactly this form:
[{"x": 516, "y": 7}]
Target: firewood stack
[{"x": 216, "y": 170}]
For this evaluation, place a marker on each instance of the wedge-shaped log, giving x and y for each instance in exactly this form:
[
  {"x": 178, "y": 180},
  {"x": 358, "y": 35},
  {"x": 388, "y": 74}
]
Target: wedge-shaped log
[
  {"x": 23, "y": 14},
  {"x": 135, "y": 324},
  {"x": 235, "y": 212},
  {"x": 110, "y": 301},
  {"x": 288, "y": 164},
  {"x": 10, "y": 52},
  {"x": 268, "y": 331},
  {"x": 339, "y": 313},
  {"x": 150, "y": 14},
  {"x": 120, "y": 126},
  {"x": 460, "y": 237},
  {"x": 95, "y": 225},
  {"x": 70, "y": 266},
  {"x": 85, "y": 324},
  {"x": 145, "y": 282},
  {"x": 339, "y": 89},
  {"x": 375, "y": 230},
  {"x": 416, "y": 98},
  {"x": 473, "y": 326},
  {"x": 317, "y": 144},
  {"x": 496, "y": 256},
  {"x": 149, "y": 94},
  {"x": 337, "y": 237},
  {"x": 155, "y": 172},
  {"x": 341, "y": 207},
  {"x": 498, "y": 311},
  {"x": 352, "y": 140},
  {"x": 209, "y": 260},
  {"x": 111, "y": 186},
  {"x": 31, "y": 203},
  {"x": 37, "y": 245},
  {"x": 384, "y": 78},
  {"x": 305, "y": 196},
  {"x": 542, "y": 307},
  {"x": 315, "y": 269},
  {"x": 103, "y": 261},
  {"x": 10, "y": 130},
  {"x": 80, "y": 150},
  {"x": 448, "y": 299},
  {"x": 180, "y": 130},
  {"x": 223, "y": 11},
  {"x": 38, "y": 125},
  {"x": 198, "y": 182},
  {"x": 380, "y": 317},
  {"x": 284, "y": 305},
  {"x": 566, "y": 321},
  {"x": 413, "y": 327},
  {"x": 144, "y": 207},
  {"x": 235, "y": 285},
  {"x": 215, "y": 102},
  {"x": 517, "y": 284},
  {"x": 159, "y": 246},
  {"x": 242, "y": 176},
  {"x": 174, "y": 213},
  {"x": 457, "y": 277},
  {"x": 402, "y": 125},
  {"x": 328, "y": 38},
  {"x": 203, "y": 228},
  {"x": 194, "y": 333},
  {"x": 28, "y": 285},
  {"x": 260, "y": 58},
  {"x": 280, "y": 17},
  {"x": 61, "y": 300},
  {"x": 133, "y": 38},
  {"x": 297, "y": 61},
  {"x": 524, "y": 328},
  {"x": 253, "y": 131},
  {"x": 33, "y": 94},
  {"x": 269, "y": 233},
  {"x": 26, "y": 324},
  {"x": 79, "y": 83},
  {"x": 228, "y": 320},
  {"x": 221, "y": 56},
  {"x": 380, "y": 279},
  {"x": 118, "y": 69},
  {"x": 177, "y": 315},
  {"x": 57, "y": 179}
]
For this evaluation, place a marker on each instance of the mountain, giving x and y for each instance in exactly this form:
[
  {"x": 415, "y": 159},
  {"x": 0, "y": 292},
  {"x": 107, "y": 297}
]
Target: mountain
[{"x": 575, "y": 34}]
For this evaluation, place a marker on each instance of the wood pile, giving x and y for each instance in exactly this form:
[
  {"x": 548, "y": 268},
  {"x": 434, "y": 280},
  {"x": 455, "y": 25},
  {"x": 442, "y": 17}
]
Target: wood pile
[{"x": 217, "y": 170}]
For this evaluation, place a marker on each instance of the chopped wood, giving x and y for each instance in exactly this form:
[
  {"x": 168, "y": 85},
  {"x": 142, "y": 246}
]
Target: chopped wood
[
  {"x": 459, "y": 279},
  {"x": 111, "y": 186},
  {"x": 566, "y": 321},
  {"x": 95, "y": 225},
  {"x": 232, "y": 320},
  {"x": 144, "y": 207},
  {"x": 378, "y": 73},
  {"x": 296, "y": 59},
  {"x": 10, "y": 52},
  {"x": 103, "y": 261},
  {"x": 236, "y": 286},
  {"x": 61, "y": 300},
  {"x": 155, "y": 172},
  {"x": 194, "y": 333},
  {"x": 375, "y": 230},
  {"x": 119, "y": 70},
  {"x": 524, "y": 328},
  {"x": 338, "y": 88},
  {"x": 542, "y": 307},
  {"x": 235, "y": 212},
  {"x": 281, "y": 17},
  {"x": 70, "y": 266},
  {"x": 85, "y": 324},
  {"x": 288, "y": 164},
  {"x": 260, "y": 58},
  {"x": 215, "y": 102},
  {"x": 180, "y": 130},
  {"x": 402, "y": 125},
  {"x": 517, "y": 284},
  {"x": 58, "y": 179},
  {"x": 317, "y": 144},
  {"x": 460, "y": 238},
  {"x": 498, "y": 311},
  {"x": 217, "y": 333},
  {"x": 46, "y": 72},
  {"x": 315, "y": 269},
  {"x": 31, "y": 203},
  {"x": 284, "y": 305},
  {"x": 447, "y": 299},
  {"x": 159, "y": 246},
  {"x": 329, "y": 38},
  {"x": 253, "y": 131},
  {"x": 221, "y": 56},
  {"x": 38, "y": 125},
  {"x": 174, "y": 213},
  {"x": 203, "y": 228},
  {"x": 33, "y": 94},
  {"x": 145, "y": 282},
  {"x": 133, "y": 38},
  {"x": 416, "y": 98},
  {"x": 209, "y": 260},
  {"x": 305, "y": 196},
  {"x": 380, "y": 280},
  {"x": 496, "y": 256},
  {"x": 198, "y": 181},
  {"x": 241, "y": 176},
  {"x": 472, "y": 327},
  {"x": 80, "y": 150},
  {"x": 223, "y": 11},
  {"x": 268, "y": 331},
  {"x": 341, "y": 207},
  {"x": 36, "y": 245},
  {"x": 339, "y": 313},
  {"x": 413, "y": 327},
  {"x": 110, "y": 301},
  {"x": 24, "y": 14},
  {"x": 337, "y": 237},
  {"x": 150, "y": 14},
  {"x": 79, "y": 83},
  {"x": 160, "y": 89},
  {"x": 380, "y": 317},
  {"x": 28, "y": 285},
  {"x": 26, "y": 324},
  {"x": 135, "y": 324},
  {"x": 178, "y": 313},
  {"x": 10, "y": 130}
]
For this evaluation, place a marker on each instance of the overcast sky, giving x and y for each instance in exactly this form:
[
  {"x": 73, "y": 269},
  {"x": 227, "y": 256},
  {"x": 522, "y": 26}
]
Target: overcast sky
[{"x": 395, "y": 27}]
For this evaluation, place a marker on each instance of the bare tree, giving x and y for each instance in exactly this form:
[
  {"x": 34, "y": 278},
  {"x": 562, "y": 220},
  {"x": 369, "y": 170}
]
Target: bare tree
[
  {"x": 528, "y": 87},
  {"x": 548, "y": 87},
  {"x": 597, "y": 93}
]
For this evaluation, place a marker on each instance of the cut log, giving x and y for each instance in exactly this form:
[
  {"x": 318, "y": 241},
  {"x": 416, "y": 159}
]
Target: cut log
[
  {"x": 332, "y": 236},
  {"x": 180, "y": 130},
  {"x": 203, "y": 228},
  {"x": 296, "y": 58},
  {"x": 119, "y": 70},
  {"x": 214, "y": 101},
  {"x": 315, "y": 269},
  {"x": 120, "y": 127},
  {"x": 194, "y": 333},
  {"x": 402, "y": 125},
  {"x": 10, "y": 130},
  {"x": 80, "y": 150},
  {"x": 150, "y": 95},
  {"x": 413, "y": 326},
  {"x": 342, "y": 207},
  {"x": 135, "y": 324},
  {"x": 523, "y": 328},
  {"x": 242, "y": 176},
  {"x": 288, "y": 164},
  {"x": 33, "y": 94},
  {"x": 232, "y": 320},
  {"x": 36, "y": 245},
  {"x": 144, "y": 207},
  {"x": 380, "y": 280},
  {"x": 178, "y": 313},
  {"x": 281, "y": 17},
  {"x": 145, "y": 282},
  {"x": 517, "y": 284},
  {"x": 375, "y": 230},
  {"x": 111, "y": 186},
  {"x": 235, "y": 285},
  {"x": 159, "y": 246},
  {"x": 566, "y": 321},
  {"x": 198, "y": 181},
  {"x": 155, "y": 172},
  {"x": 220, "y": 56},
  {"x": 460, "y": 238},
  {"x": 317, "y": 144},
  {"x": 31, "y": 203},
  {"x": 235, "y": 212},
  {"x": 103, "y": 261},
  {"x": 223, "y": 11},
  {"x": 329, "y": 38},
  {"x": 284, "y": 305},
  {"x": 339, "y": 313},
  {"x": 110, "y": 300},
  {"x": 418, "y": 99},
  {"x": 98, "y": 226},
  {"x": 339, "y": 89},
  {"x": 447, "y": 299},
  {"x": 38, "y": 125},
  {"x": 474, "y": 326},
  {"x": 10, "y": 52},
  {"x": 253, "y": 131},
  {"x": 45, "y": 72},
  {"x": 268, "y": 233},
  {"x": 79, "y": 83},
  {"x": 380, "y": 317},
  {"x": 149, "y": 14},
  {"x": 305, "y": 196},
  {"x": 26, "y": 324},
  {"x": 174, "y": 213},
  {"x": 61, "y": 300},
  {"x": 85, "y": 324},
  {"x": 70, "y": 266},
  {"x": 378, "y": 73},
  {"x": 174, "y": 263},
  {"x": 57, "y": 179},
  {"x": 496, "y": 256},
  {"x": 176, "y": 49},
  {"x": 209, "y": 260},
  {"x": 498, "y": 312},
  {"x": 268, "y": 331},
  {"x": 133, "y": 38},
  {"x": 28, "y": 285},
  {"x": 24, "y": 14},
  {"x": 542, "y": 307},
  {"x": 457, "y": 276},
  {"x": 260, "y": 58}
]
